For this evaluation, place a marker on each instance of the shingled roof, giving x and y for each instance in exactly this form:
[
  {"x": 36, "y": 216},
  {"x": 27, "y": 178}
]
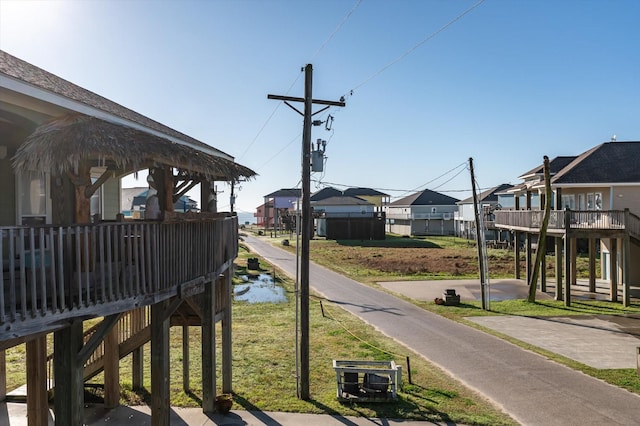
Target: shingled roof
[
  {"x": 610, "y": 162},
  {"x": 426, "y": 198},
  {"x": 31, "y": 74},
  {"x": 489, "y": 195},
  {"x": 555, "y": 165}
]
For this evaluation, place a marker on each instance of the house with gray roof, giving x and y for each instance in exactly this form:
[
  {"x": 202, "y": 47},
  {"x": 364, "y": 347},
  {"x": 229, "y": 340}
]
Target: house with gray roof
[
  {"x": 422, "y": 213},
  {"x": 464, "y": 218},
  {"x": 595, "y": 199}
]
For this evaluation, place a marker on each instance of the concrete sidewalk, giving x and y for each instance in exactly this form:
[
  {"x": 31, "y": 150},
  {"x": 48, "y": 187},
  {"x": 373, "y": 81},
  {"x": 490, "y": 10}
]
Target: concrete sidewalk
[
  {"x": 618, "y": 336},
  {"x": 15, "y": 414}
]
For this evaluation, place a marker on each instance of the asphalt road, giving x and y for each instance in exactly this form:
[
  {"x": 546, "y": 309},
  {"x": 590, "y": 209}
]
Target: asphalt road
[{"x": 527, "y": 386}]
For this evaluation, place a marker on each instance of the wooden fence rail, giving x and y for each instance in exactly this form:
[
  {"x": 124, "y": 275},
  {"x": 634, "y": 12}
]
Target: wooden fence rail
[{"x": 52, "y": 273}]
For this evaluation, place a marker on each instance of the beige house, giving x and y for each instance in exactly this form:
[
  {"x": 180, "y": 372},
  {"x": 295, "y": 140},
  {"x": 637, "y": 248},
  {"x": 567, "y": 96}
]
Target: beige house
[{"x": 596, "y": 198}]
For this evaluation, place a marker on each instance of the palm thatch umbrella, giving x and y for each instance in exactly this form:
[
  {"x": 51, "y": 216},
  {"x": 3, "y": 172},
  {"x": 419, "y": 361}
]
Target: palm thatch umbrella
[
  {"x": 74, "y": 143},
  {"x": 61, "y": 145}
]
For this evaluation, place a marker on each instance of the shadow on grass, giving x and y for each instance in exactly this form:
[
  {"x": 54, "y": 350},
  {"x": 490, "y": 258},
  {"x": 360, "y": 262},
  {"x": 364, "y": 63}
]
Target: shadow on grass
[{"x": 390, "y": 242}]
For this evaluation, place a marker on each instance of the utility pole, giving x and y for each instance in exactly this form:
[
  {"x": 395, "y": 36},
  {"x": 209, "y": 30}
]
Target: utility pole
[
  {"x": 483, "y": 290},
  {"x": 307, "y": 221}
]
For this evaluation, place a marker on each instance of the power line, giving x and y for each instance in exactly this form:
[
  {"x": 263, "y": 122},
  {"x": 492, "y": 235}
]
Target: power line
[
  {"x": 395, "y": 189},
  {"x": 344, "y": 20},
  {"x": 408, "y": 52},
  {"x": 269, "y": 118},
  {"x": 282, "y": 149},
  {"x": 346, "y": 17}
]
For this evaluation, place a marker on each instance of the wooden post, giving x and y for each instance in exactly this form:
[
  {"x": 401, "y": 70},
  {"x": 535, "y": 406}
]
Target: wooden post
[
  {"x": 567, "y": 257},
  {"x": 528, "y": 255},
  {"x": 626, "y": 262},
  {"x": 3, "y": 375},
  {"x": 558, "y": 256},
  {"x": 516, "y": 254},
  {"x": 574, "y": 261},
  {"x": 227, "y": 353},
  {"x": 543, "y": 271},
  {"x": 185, "y": 356},
  {"x": 137, "y": 356},
  {"x": 160, "y": 409},
  {"x": 209, "y": 348},
  {"x": 592, "y": 265},
  {"x": 69, "y": 371},
  {"x": 613, "y": 268},
  {"x": 37, "y": 401},
  {"x": 111, "y": 369}
]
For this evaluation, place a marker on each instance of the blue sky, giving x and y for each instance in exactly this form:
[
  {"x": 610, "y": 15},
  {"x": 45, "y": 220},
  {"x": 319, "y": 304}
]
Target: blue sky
[{"x": 506, "y": 84}]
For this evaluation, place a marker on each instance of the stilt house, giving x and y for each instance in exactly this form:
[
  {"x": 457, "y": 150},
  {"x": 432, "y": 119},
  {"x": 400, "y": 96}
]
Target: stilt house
[{"x": 68, "y": 256}]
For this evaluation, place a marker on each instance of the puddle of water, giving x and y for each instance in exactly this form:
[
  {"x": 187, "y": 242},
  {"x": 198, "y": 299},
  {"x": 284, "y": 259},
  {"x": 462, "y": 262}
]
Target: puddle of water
[{"x": 259, "y": 289}]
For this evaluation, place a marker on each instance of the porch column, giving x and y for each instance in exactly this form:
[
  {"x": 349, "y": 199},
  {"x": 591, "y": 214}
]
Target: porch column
[
  {"x": 626, "y": 265},
  {"x": 160, "y": 409},
  {"x": 543, "y": 271},
  {"x": 574, "y": 259},
  {"x": 227, "y": 353},
  {"x": 37, "y": 401},
  {"x": 3, "y": 375},
  {"x": 558, "y": 241},
  {"x": 613, "y": 268},
  {"x": 137, "y": 356},
  {"x": 111, "y": 369},
  {"x": 516, "y": 253},
  {"x": 527, "y": 242},
  {"x": 69, "y": 409},
  {"x": 592, "y": 265},
  {"x": 185, "y": 356},
  {"x": 567, "y": 258},
  {"x": 209, "y": 348}
]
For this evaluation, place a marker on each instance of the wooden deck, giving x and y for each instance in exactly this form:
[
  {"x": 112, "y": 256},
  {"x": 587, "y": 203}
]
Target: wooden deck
[
  {"x": 596, "y": 223},
  {"x": 52, "y": 274}
]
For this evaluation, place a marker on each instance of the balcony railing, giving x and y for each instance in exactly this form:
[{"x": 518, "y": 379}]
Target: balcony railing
[
  {"x": 596, "y": 220},
  {"x": 421, "y": 216},
  {"x": 50, "y": 274}
]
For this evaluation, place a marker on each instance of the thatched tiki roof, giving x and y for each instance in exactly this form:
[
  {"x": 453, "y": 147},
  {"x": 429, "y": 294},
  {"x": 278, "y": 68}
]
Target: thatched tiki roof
[
  {"x": 60, "y": 145},
  {"x": 72, "y": 144}
]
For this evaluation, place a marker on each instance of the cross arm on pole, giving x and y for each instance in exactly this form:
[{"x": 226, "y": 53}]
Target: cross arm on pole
[{"x": 340, "y": 103}]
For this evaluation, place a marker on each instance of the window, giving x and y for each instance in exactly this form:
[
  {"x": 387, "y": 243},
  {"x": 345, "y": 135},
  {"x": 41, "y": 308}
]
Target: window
[
  {"x": 33, "y": 200},
  {"x": 581, "y": 205},
  {"x": 594, "y": 201},
  {"x": 569, "y": 202}
]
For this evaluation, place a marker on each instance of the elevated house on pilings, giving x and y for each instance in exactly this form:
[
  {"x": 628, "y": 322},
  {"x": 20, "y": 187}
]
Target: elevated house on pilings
[
  {"x": 596, "y": 199},
  {"x": 66, "y": 260}
]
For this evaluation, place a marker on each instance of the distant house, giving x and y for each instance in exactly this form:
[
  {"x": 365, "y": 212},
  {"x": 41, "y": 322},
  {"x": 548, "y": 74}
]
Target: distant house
[
  {"x": 377, "y": 198},
  {"x": 133, "y": 203},
  {"x": 278, "y": 205},
  {"x": 464, "y": 218},
  {"x": 595, "y": 199},
  {"x": 263, "y": 218},
  {"x": 423, "y": 213},
  {"x": 325, "y": 193},
  {"x": 346, "y": 217}
]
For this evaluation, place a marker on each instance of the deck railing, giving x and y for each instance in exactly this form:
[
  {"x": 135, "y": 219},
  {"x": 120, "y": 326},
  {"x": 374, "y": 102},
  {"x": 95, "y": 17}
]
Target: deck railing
[
  {"x": 582, "y": 220},
  {"x": 52, "y": 273}
]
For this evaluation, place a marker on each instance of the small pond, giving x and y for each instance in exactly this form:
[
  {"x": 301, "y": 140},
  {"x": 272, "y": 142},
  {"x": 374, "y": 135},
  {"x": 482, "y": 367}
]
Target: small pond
[{"x": 259, "y": 289}]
